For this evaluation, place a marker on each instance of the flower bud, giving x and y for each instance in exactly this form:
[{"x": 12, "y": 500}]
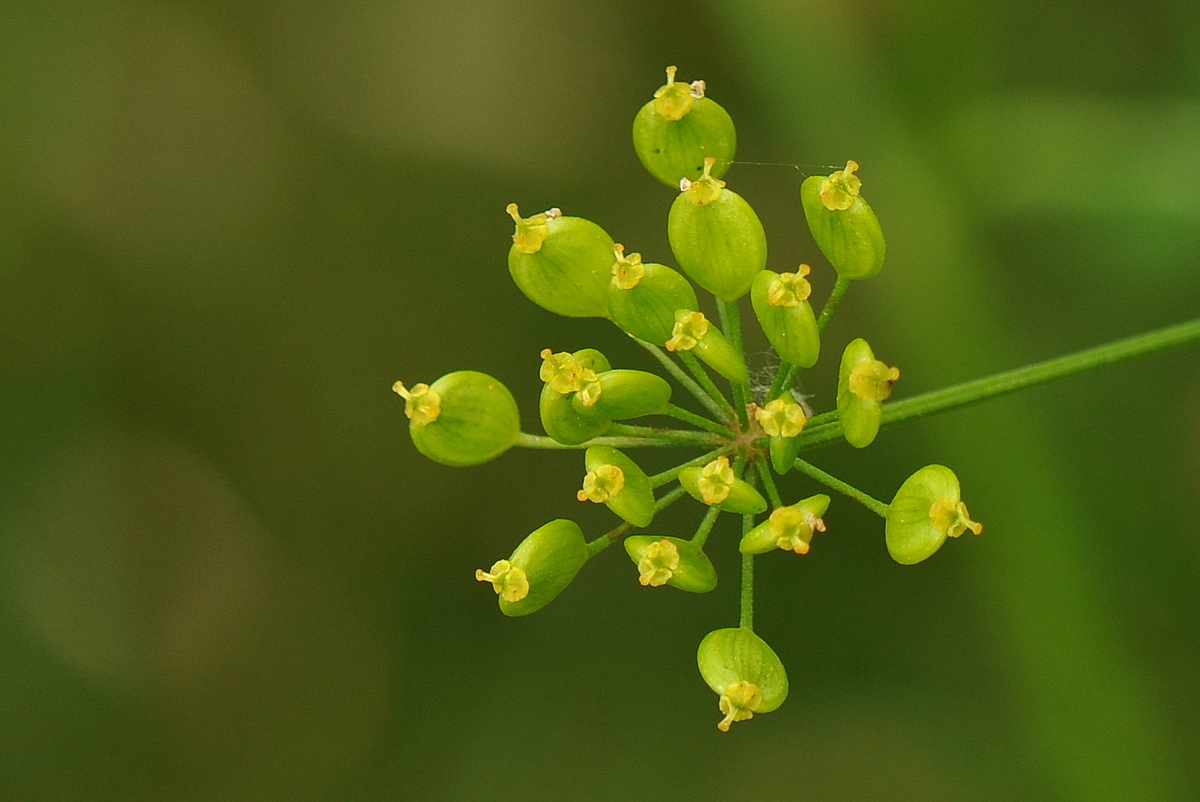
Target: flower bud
[
  {"x": 716, "y": 485},
  {"x": 781, "y": 305},
  {"x": 864, "y": 383},
  {"x": 694, "y": 332},
  {"x": 623, "y": 394},
  {"x": 541, "y": 567},
  {"x": 716, "y": 237},
  {"x": 675, "y": 131},
  {"x": 744, "y": 671},
  {"x": 671, "y": 561},
  {"x": 927, "y": 509},
  {"x": 616, "y": 480},
  {"x": 563, "y": 264},
  {"x": 788, "y": 528},
  {"x": 643, "y": 301},
  {"x": 842, "y": 224},
  {"x": 464, "y": 418}
]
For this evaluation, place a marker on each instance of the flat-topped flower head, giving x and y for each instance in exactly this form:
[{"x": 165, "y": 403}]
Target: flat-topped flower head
[
  {"x": 658, "y": 564},
  {"x": 871, "y": 380},
  {"x": 782, "y": 417},
  {"x": 562, "y": 371},
  {"x": 839, "y": 190},
  {"x": 675, "y": 99},
  {"x": 705, "y": 189},
  {"x": 690, "y": 329},
  {"x": 716, "y": 480},
  {"x": 422, "y": 404},
  {"x": 602, "y": 483},
  {"x": 627, "y": 270},
  {"x": 793, "y": 527},
  {"x": 949, "y": 515},
  {"x": 510, "y": 583},
  {"x": 740, "y": 701},
  {"x": 531, "y": 231},
  {"x": 789, "y": 289}
]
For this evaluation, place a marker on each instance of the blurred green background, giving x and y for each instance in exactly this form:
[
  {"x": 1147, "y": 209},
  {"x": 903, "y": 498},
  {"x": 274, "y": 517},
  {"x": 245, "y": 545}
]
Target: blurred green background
[{"x": 227, "y": 228}]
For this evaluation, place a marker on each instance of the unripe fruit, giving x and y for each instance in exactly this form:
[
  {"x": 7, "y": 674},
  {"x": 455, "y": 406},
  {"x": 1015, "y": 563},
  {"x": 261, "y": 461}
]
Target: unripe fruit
[
  {"x": 562, "y": 264},
  {"x": 674, "y": 132},
  {"x": 539, "y": 569},
  {"x": 716, "y": 237},
  {"x": 781, "y": 305},
  {"x": 926, "y": 510},
  {"x": 864, "y": 383},
  {"x": 564, "y": 374},
  {"x": 616, "y": 480},
  {"x": 716, "y": 485},
  {"x": 464, "y": 418},
  {"x": 642, "y": 298},
  {"x": 842, "y": 224},
  {"x": 788, "y": 528},
  {"x": 671, "y": 561},
  {"x": 744, "y": 671},
  {"x": 623, "y": 394},
  {"x": 693, "y": 332}
]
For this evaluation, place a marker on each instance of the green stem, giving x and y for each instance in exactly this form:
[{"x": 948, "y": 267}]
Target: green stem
[
  {"x": 746, "y": 601},
  {"x": 731, "y": 322},
  {"x": 616, "y": 533},
  {"x": 660, "y": 479},
  {"x": 660, "y": 438},
  {"x": 697, "y": 420},
  {"x": 873, "y": 504},
  {"x": 1029, "y": 376},
  {"x": 706, "y": 526},
  {"x": 705, "y": 381},
  {"x": 685, "y": 380},
  {"x": 769, "y": 483}
]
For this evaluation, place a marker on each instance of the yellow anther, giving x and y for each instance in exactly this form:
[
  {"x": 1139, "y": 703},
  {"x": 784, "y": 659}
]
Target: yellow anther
[
  {"x": 950, "y": 517},
  {"x": 782, "y": 417},
  {"x": 739, "y": 702},
  {"x": 871, "y": 380},
  {"x": 716, "y": 481},
  {"x": 789, "y": 289},
  {"x": 690, "y": 328},
  {"x": 658, "y": 564},
  {"x": 627, "y": 270},
  {"x": 601, "y": 484},
  {"x": 839, "y": 190},
  {"x": 422, "y": 404},
  {"x": 509, "y": 582},
  {"x": 589, "y": 387}
]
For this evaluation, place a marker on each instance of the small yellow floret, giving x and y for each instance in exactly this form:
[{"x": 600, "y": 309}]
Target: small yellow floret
[
  {"x": 716, "y": 481},
  {"x": 589, "y": 387},
  {"x": 949, "y": 516},
  {"x": 510, "y": 583},
  {"x": 793, "y": 528},
  {"x": 601, "y": 484},
  {"x": 871, "y": 380},
  {"x": 422, "y": 404},
  {"x": 705, "y": 189},
  {"x": 690, "y": 329},
  {"x": 839, "y": 190},
  {"x": 627, "y": 271},
  {"x": 782, "y": 417},
  {"x": 658, "y": 564},
  {"x": 531, "y": 231},
  {"x": 739, "y": 702},
  {"x": 561, "y": 371},
  {"x": 789, "y": 289}
]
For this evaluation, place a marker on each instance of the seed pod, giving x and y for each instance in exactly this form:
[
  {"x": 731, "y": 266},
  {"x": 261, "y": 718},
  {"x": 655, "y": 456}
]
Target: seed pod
[
  {"x": 562, "y": 264},
  {"x": 864, "y": 383},
  {"x": 716, "y": 485},
  {"x": 744, "y": 671},
  {"x": 716, "y": 237},
  {"x": 788, "y": 528},
  {"x": 616, "y": 480},
  {"x": 623, "y": 394},
  {"x": 642, "y": 298},
  {"x": 465, "y": 418},
  {"x": 693, "y": 332},
  {"x": 781, "y": 304},
  {"x": 566, "y": 372},
  {"x": 675, "y": 131},
  {"x": 783, "y": 420},
  {"x": 671, "y": 561},
  {"x": 842, "y": 224},
  {"x": 927, "y": 509},
  {"x": 541, "y": 567}
]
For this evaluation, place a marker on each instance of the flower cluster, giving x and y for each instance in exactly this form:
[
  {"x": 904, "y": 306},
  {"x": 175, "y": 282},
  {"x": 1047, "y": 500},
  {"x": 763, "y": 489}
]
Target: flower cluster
[{"x": 572, "y": 267}]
